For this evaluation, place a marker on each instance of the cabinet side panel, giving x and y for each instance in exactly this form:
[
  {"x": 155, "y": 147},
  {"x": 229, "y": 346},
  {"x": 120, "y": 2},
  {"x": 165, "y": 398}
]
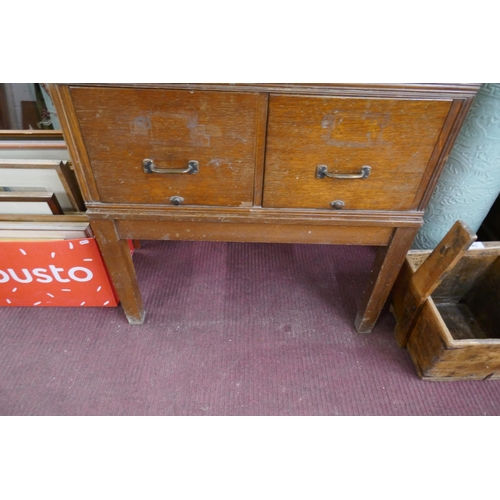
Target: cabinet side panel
[{"x": 72, "y": 135}]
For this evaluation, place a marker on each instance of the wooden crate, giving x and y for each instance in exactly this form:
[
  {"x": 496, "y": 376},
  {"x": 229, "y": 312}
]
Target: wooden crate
[{"x": 447, "y": 308}]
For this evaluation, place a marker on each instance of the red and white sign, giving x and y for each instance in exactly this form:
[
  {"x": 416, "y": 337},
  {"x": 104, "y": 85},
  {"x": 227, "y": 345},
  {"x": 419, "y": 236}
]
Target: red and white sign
[{"x": 62, "y": 273}]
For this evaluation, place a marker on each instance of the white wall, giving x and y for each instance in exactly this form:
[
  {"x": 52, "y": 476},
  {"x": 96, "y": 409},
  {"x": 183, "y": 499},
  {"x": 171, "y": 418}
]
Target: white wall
[
  {"x": 14, "y": 94},
  {"x": 17, "y": 92},
  {"x": 34, "y": 154}
]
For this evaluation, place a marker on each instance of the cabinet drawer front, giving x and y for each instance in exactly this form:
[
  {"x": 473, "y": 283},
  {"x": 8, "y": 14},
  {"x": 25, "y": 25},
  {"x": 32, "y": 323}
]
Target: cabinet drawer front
[
  {"x": 395, "y": 138},
  {"x": 122, "y": 127}
]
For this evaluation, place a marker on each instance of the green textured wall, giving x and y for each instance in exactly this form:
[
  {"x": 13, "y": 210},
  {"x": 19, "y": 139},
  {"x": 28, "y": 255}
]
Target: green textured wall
[{"x": 470, "y": 182}]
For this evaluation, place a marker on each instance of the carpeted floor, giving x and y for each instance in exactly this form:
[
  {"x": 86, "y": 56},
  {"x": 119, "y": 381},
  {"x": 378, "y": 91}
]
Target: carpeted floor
[{"x": 231, "y": 329}]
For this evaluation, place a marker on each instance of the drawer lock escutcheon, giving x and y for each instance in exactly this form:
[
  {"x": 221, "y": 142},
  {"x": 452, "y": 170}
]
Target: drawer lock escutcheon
[
  {"x": 176, "y": 200},
  {"x": 337, "y": 204},
  {"x": 149, "y": 167},
  {"x": 322, "y": 172}
]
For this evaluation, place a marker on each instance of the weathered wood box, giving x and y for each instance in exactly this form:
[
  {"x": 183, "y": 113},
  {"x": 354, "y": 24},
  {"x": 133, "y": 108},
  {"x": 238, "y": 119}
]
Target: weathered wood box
[{"x": 451, "y": 324}]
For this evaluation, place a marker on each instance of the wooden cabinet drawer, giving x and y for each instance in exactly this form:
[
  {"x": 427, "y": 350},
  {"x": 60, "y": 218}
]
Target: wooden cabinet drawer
[
  {"x": 394, "y": 137},
  {"x": 121, "y": 127}
]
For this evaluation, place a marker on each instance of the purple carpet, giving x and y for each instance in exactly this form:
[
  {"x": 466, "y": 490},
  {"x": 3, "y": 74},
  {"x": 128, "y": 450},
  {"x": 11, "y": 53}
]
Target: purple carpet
[{"x": 231, "y": 329}]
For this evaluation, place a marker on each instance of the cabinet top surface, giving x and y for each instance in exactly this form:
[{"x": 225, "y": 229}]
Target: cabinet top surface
[{"x": 396, "y": 89}]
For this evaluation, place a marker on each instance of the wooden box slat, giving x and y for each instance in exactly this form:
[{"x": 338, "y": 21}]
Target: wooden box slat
[{"x": 456, "y": 335}]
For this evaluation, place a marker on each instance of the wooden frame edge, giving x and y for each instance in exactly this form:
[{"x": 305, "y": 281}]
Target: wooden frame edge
[{"x": 61, "y": 98}]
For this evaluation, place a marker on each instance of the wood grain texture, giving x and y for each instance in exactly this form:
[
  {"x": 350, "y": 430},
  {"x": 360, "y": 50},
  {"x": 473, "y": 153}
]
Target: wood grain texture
[
  {"x": 396, "y": 138},
  {"x": 42, "y": 219},
  {"x": 122, "y": 127},
  {"x": 388, "y": 262},
  {"x": 33, "y": 197},
  {"x": 32, "y": 145},
  {"x": 397, "y": 300},
  {"x": 27, "y": 164},
  {"x": 261, "y": 233},
  {"x": 70, "y": 183},
  {"x": 256, "y": 215},
  {"x": 456, "y": 334},
  {"x": 118, "y": 259},
  {"x": 35, "y": 137},
  {"x": 429, "y": 276},
  {"x": 407, "y": 128},
  {"x": 389, "y": 90},
  {"x": 483, "y": 300},
  {"x": 429, "y": 340},
  {"x": 438, "y": 357},
  {"x": 471, "y": 268},
  {"x": 453, "y": 285},
  {"x": 72, "y": 135},
  {"x": 460, "y": 321}
]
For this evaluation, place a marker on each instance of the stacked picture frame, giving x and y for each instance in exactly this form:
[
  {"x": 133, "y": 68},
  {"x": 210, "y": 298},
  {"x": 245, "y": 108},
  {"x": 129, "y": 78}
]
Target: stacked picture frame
[
  {"x": 39, "y": 187},
  {"x": 49, "y": 255}
]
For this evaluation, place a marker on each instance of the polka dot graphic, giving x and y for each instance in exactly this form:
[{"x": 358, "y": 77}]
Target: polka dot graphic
[{"x": 64, "y": 273}]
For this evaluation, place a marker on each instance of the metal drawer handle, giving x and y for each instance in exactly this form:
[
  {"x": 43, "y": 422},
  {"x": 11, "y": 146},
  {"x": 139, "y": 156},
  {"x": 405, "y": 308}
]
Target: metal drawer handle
[
  {"x": 322, "y": 172},
  {"x": 149, "y": 168}
]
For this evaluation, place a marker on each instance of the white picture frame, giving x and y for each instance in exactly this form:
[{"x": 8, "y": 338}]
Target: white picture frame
[{"x": 52, "y": 176}]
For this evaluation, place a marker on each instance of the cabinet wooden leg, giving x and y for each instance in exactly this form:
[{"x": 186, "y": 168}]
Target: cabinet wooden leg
[
  {"x": 118, "y": 260},
  {"x": 384, "y": 272}
]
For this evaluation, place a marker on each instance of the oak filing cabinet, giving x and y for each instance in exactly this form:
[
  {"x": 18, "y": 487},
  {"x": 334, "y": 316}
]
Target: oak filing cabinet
[{"x": 290, "y": 163}]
